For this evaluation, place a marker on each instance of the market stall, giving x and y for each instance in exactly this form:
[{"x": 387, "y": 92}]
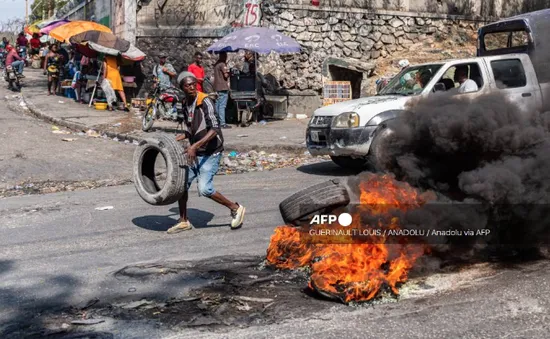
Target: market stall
[{"x": 247, "y": 88}]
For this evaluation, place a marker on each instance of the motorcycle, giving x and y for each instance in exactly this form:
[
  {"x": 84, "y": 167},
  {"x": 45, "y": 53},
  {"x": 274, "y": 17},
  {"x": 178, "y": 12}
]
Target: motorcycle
[
  {"x": 162, "y": 104},
  {"x": 11, "y": 76}
]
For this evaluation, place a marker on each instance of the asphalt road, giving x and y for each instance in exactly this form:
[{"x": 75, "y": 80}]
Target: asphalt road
[
  {"x": 31, "y": 152},
  {"x": 57, "y": 249}
]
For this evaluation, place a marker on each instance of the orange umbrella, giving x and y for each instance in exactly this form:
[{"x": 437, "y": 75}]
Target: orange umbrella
[{"x": 64, "y": 32}]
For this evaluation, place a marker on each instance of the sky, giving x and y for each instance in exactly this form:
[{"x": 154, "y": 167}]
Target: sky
[{"x": 10, "y": 9}]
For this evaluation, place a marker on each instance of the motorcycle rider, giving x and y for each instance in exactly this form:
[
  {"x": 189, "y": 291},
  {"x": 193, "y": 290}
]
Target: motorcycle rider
[{"x": 13, "y": 59}]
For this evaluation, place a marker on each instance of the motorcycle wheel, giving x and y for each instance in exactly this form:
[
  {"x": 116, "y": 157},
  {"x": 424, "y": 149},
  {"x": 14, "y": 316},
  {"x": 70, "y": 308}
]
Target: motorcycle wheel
[{"x": 148, "y": 118}]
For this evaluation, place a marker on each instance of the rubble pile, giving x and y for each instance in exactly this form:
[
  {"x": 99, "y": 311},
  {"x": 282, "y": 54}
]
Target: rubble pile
[{"x": 253, "y": 161}]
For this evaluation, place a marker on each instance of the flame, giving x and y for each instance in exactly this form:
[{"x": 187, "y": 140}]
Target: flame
[{"x": 342, "y": 267}]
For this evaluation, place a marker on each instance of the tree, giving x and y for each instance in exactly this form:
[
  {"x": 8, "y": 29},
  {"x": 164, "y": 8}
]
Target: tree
[
  {"x": 12, "y": 26},
  {"x": 43, "y": 9}
]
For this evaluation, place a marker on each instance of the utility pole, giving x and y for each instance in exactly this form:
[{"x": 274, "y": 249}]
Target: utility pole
[{"x": 26, "y": 12}]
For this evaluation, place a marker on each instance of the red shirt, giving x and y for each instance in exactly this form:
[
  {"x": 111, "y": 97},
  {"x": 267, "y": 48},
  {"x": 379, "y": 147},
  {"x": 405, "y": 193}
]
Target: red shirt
[
  {"x": 22, "y": 41},
  {"x": 198, "y": 72},
  {"x": 35, "y": 43}
]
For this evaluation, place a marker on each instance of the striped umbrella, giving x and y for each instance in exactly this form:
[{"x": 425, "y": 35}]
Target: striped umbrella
[{"x": 51, "y": 25}]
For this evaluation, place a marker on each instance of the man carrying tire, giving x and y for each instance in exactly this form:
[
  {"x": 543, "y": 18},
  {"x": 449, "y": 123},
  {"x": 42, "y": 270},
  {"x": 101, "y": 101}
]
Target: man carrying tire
[{"x": 202, "y": 129}]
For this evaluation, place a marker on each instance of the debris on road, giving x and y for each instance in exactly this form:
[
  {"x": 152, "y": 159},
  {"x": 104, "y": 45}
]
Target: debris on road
[
  {"x": 117, "y": 124},
  {"x": 251, "y": 299},
  {"x": 254, "y": 161},
  {"x": 92, "y": 133},
  {"x": 87, "y": 322},
  {"x": 136, "y": 304},
  {"x": 58, "y": 131},
  {"x": 69, "y": 139},
  {"x": 48, "y": 186},
  {"x": 105, "y": 208}
]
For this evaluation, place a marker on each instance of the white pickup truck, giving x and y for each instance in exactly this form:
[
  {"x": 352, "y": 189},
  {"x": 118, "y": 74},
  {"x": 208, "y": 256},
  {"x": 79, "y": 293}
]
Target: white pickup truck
[{"x": 353, "y": 132}]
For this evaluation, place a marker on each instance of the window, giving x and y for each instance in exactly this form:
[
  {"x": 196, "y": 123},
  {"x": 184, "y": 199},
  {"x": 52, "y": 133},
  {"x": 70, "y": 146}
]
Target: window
[
  {"x": 411, "y": 81},
  {"x": 499, "y": 40},
  {"x": 509, "y": 73},
  {"x": 467, "y": 79}
]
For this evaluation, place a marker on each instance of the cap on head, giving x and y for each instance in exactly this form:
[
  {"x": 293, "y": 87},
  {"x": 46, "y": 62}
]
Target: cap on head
[{"x": 184, "y": 75}]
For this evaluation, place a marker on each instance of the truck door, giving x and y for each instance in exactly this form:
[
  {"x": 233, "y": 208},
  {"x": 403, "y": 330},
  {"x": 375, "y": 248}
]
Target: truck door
[{"x": 515, "y": 76}]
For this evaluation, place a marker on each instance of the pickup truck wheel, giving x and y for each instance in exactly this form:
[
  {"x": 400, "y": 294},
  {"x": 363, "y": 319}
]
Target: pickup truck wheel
[
  {"x": 145, "y": 179},
  {"x": 349, "y": 162},
  {"x": 326, "y": 195},
  {"x": 379, "y": 160}
]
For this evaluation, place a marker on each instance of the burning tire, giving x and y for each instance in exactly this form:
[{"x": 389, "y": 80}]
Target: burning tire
[
  {"x": 323, "y": 196},
  {"x": 145, "y": 178}
]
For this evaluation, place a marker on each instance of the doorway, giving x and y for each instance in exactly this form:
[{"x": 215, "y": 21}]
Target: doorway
[{"x": 344, "y": 74}]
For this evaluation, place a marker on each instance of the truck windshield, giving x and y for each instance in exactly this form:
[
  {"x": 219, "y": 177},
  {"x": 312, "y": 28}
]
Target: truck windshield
[{"x": 411, "y": 80}]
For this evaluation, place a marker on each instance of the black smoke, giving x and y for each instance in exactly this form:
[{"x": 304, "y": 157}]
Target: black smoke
[{"x": 489, "y": 161}]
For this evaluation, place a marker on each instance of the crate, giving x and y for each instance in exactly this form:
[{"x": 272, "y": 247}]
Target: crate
[
  {"x": 336, "y": 91},
  {"x": 138, "y": 102}
]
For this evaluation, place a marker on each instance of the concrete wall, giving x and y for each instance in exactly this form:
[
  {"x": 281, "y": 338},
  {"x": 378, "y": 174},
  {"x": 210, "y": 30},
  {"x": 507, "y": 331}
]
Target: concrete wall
[
  {"x": 502, "y": 8},
  {"x": 354, "y": 33},
  {"x": 91, "y": 10}
]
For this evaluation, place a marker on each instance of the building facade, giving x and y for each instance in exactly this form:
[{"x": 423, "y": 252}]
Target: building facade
[{"x": 341, "y": 39}]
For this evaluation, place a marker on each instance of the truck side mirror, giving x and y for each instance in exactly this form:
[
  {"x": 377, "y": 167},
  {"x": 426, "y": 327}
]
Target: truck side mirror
[{"x": 439, "y": 87}]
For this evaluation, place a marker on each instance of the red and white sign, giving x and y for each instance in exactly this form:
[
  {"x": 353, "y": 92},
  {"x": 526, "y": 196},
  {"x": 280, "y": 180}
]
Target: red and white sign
[{"x": 252, "y": 13}]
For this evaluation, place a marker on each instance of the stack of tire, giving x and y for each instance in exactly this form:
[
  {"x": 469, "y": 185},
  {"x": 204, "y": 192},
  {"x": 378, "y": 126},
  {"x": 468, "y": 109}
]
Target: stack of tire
[{"x": 145, "y": 179}]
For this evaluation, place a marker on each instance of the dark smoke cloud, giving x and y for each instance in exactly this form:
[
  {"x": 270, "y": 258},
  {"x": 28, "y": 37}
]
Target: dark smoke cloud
[{"x": 485, "y": 150}]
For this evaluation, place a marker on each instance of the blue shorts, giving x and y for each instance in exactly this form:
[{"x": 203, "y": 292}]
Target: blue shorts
[{"x": 205, "y": 169}]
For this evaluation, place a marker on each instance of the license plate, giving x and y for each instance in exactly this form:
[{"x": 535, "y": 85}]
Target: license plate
[{"x": 314, "y": 136}]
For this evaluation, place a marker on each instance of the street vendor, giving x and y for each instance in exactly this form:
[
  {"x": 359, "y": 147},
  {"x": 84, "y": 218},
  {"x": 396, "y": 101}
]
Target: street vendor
[
  {"x": 202, "y": 129},
  {"x": 249, "y": 65}
]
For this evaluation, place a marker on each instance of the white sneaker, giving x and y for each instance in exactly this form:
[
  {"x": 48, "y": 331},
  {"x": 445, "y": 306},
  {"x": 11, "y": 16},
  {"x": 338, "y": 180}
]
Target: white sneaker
[{"x": 238, "y": 217}]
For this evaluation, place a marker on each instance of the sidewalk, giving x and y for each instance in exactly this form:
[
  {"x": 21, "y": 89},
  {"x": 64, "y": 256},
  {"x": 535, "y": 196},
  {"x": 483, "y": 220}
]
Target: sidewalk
[{"x": 276, "y": 135}]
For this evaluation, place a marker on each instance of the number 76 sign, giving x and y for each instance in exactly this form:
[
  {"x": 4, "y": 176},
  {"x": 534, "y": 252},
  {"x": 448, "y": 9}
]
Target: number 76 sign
[{"x": 252, "y": 13}]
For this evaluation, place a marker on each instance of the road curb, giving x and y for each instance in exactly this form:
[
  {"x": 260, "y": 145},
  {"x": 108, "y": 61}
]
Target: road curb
[
  {"x": 73, "y": 125},
  {"x": 131, "y": 138}
]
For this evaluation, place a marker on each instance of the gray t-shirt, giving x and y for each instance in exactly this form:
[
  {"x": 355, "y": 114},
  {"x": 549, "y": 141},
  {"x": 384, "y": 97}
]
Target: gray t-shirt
[{"x": 164, "y": 79}]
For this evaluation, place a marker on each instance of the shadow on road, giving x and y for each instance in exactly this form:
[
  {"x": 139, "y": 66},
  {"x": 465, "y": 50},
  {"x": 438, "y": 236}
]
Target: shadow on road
[
  {"x": 161, "y": 223},
  {"x": 327, "y": 168}
]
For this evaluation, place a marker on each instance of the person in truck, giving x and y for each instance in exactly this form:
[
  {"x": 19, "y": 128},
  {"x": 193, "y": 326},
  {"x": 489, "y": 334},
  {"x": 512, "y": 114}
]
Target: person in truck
[{"x": 467, "y": 85}]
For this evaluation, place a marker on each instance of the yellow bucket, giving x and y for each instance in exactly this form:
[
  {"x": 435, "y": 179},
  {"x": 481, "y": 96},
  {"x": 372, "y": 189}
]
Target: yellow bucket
[{"x": 101, "y": 106}]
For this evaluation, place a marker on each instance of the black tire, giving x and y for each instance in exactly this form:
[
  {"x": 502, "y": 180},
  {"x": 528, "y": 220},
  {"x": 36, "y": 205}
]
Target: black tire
[
  {"x": 349, "y": 162},
  {"x": 144, "y": 170},
  {"x": 379, "y": 159},
  {"x": 148, "y": 118},
  {"x": 327, "y": 195}
]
